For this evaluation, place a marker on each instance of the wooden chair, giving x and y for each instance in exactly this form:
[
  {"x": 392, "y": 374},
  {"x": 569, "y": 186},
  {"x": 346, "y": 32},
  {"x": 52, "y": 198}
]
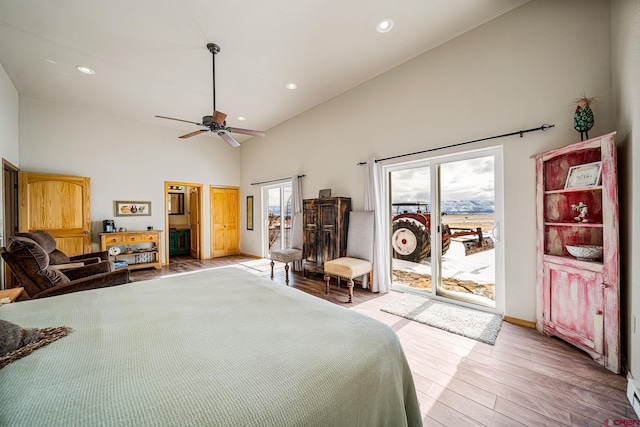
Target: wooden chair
[
  {"x": 294, "y": 252},
  {"x": 359, "y": 259}
]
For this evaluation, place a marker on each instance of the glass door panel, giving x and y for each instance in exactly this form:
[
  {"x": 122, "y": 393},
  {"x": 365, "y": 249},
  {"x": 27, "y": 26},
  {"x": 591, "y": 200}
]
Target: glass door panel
[
  {"x": 411, "y": 227},
  {"x": 277, "y": 208},
  {"x": 444, "y": 217},
  {"x": 466, "y": 204}
]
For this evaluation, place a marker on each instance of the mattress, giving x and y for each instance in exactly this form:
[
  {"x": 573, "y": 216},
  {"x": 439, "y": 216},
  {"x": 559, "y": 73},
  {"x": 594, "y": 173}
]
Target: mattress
[{"x": 219, "y": 347}]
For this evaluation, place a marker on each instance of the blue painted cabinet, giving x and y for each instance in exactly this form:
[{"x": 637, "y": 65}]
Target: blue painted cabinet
[{"x": 179, "y": 242}]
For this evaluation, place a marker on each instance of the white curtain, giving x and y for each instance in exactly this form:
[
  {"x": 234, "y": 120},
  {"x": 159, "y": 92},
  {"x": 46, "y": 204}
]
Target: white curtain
[
  {"x": 374, "y": 201},
  {"x": 296, "y": 206},
  {"x": 296, "y": 193}
]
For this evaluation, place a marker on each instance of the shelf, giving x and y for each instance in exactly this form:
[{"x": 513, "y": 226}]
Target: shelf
[
  {"x": 138, "y": 266},
  {"x": 137, "y": 252},
  {"x": 574, "y": 190},
  {"x": 596, "y": 266},
  {"x": 573, "y": 224}
]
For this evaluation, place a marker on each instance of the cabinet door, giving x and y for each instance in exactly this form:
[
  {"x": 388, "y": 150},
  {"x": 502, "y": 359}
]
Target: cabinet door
[
  {"x": 172, "y": 242},
  {"x": 328, "y": 233},
  {"x": 310, "y": 220},
  {"x": 573, "y": 306}
]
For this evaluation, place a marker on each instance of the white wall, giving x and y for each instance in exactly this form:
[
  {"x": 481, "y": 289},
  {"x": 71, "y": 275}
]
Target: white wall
[
  {"x": 625, "y": 55},
  {"x": 125, "y": 160},
  {"x": 516, "y": 72},
  {"x": 8, "y": 120}
]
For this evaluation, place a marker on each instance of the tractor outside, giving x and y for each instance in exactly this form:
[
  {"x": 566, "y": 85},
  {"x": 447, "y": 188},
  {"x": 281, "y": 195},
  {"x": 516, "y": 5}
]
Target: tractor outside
[{"x": 411, "y": 238}]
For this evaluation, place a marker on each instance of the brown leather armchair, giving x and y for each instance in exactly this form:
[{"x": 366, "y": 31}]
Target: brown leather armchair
[
  {"x": 56, "y": 256},
  {"x": 29, "y": 263}
]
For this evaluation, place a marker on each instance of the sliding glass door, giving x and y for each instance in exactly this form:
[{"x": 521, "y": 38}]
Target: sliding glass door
[{"x": 445, "y": 220}]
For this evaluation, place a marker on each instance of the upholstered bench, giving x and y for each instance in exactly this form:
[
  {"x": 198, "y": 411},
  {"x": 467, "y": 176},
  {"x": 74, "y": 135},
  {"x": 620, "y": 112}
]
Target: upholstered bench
[
  {"x": 292, "y": 254},
  {"x": 285, "y": 255},
  {"x": 347, "y": 268},
  {"x": 358, "y": 261}
]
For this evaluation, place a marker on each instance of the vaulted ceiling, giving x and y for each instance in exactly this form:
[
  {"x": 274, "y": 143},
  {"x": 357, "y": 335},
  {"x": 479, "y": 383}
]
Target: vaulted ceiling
[{"x": 150, "y": 56}]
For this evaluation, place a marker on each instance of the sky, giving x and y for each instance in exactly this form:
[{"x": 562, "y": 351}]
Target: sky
[{"x": 471, "y": 179}]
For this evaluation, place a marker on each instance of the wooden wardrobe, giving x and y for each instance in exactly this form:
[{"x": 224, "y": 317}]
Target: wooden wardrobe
[{"x": 326, "y": 221}]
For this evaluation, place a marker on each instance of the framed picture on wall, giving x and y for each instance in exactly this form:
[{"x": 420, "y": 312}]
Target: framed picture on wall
[
  {"x": 130, "y": 208},
  {"x": 249, "y": 212}
]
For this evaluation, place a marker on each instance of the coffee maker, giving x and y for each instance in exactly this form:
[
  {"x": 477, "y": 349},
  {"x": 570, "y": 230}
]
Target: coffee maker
[{"x": 108, "y": 226}]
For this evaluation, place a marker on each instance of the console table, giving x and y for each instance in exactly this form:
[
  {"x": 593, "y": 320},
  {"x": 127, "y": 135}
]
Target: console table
[{"x": 140, "y": 249}]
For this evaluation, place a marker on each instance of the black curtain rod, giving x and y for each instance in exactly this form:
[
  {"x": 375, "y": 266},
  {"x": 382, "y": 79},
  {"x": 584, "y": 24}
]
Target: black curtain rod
[
  {"x": 520, "y": 132},
  {"x": 276, "y": 180}
]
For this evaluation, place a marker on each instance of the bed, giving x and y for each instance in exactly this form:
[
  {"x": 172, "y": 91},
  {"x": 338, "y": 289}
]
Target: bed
[{"x": 218, "y": 347}]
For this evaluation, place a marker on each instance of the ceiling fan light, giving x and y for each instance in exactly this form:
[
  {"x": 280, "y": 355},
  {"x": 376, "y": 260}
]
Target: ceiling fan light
[
  {"x": 85, "y": 70},
  {"x": 292, "y": 86},
  {"x": 384, "y": 26}
]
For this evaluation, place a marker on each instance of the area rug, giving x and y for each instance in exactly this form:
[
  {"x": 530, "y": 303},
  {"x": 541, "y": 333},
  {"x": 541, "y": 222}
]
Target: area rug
[{"x": 475, "y": 324}]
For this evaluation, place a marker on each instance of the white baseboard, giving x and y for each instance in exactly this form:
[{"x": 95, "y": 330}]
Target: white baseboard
[{"x": 633, "y": 393}]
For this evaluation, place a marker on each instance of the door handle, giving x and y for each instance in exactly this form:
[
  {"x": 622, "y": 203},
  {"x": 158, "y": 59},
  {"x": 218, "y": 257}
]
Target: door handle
[
  {"x": 495, "y": 233},
  {"x": 86, "y": 232}
]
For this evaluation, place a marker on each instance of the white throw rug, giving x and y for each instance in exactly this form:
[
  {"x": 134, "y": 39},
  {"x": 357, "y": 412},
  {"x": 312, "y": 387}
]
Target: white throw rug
[{"x": 479, "y": 325}]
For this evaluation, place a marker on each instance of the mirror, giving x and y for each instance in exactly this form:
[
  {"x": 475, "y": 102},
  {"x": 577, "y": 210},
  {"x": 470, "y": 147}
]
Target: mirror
[{"x": 176, "y": 204}]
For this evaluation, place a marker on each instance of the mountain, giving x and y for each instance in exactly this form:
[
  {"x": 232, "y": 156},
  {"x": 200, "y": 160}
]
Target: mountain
[{"x": 467, "y": 206}]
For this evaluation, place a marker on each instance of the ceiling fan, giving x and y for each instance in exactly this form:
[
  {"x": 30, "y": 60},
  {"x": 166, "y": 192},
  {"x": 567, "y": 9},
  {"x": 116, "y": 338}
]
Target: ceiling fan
[{"x": 216, "y": 122}]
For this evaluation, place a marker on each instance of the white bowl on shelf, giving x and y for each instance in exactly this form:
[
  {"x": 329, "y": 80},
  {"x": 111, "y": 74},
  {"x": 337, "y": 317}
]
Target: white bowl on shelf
[{"x": 586, "y": 252}]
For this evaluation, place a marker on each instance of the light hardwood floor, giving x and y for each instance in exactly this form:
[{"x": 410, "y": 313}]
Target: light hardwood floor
[{"x": 525, "y": 379}]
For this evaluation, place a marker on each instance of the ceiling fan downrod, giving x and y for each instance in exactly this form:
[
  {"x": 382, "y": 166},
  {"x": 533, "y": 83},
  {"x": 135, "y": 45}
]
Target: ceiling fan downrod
[{"x": 214, "y": 49}]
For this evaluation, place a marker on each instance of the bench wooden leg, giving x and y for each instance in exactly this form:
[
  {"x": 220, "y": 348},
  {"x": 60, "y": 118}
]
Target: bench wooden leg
[
  {"x": 272, "y": 263},
  {"x": 286, "y": 273},
  {"x": 350, "y": 286},
  {"x": 326, "y": 279}
]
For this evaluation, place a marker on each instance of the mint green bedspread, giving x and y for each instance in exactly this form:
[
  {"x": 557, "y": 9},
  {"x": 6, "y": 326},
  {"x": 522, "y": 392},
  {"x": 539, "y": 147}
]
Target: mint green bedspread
[{"x": 220, "y": 347}]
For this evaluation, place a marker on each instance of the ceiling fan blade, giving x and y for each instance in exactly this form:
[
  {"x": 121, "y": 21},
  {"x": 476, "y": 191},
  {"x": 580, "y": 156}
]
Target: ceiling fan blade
[
  {"x": 179, "y": 120},
  {"x": 218, "y": 117},
  {"x": 247, "y": 132},
  {"x": 189, "y": 135},
  {"x": 232, "y": 142}
]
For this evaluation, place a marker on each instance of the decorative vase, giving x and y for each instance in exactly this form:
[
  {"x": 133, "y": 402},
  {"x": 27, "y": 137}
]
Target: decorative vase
[{"x": 583, "y": 117}]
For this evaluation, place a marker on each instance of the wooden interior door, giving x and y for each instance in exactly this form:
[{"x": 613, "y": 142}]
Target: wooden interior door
[
  {"x": 225, "y": 221},
  {"x": 194, "y": 222},
  {"x": 59, "y": 204}
]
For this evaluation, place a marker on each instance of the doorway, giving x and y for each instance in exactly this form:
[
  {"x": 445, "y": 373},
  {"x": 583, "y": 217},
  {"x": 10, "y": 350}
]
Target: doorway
[
  {"x": 183, "y": 202},
  {"x": 276, "y": 209},
  {"x": 445, "y": 219},
  {"x": 9, "y": 225}
]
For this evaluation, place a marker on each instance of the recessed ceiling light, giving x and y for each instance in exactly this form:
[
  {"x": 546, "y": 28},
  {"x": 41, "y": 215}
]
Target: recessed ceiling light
[
  {"x": 384, "y": 26},
  {"x": 51, "y": 61},
  {"x": 292, "y": 86},
  {"x": 85, "y": 70},
  {"x": 242, "y": 118}
]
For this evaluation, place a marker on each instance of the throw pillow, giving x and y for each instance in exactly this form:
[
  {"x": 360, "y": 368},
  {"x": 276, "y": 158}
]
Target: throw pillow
[
  {"x": 12, "y": 337},
  {"x": 17, "y": 342}
]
